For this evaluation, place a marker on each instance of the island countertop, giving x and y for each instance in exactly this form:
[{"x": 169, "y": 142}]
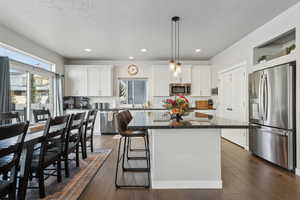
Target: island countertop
[{"x": 194, "y": 120}]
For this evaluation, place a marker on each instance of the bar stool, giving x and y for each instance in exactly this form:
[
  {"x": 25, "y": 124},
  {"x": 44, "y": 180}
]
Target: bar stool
[
  {"x": 128, "y": 118},
  {"x": 125, "y": 135}
]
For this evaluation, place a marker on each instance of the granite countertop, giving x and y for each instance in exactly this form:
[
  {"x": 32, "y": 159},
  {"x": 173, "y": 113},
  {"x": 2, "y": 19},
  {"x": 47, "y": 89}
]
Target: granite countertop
[
  {"x": 160, "y": 120},
  {"x": 117, "y": 109}
]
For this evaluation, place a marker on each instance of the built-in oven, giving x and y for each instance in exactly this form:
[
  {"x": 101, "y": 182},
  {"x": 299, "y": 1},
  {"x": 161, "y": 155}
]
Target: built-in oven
[{"x": 180, "y": 89}]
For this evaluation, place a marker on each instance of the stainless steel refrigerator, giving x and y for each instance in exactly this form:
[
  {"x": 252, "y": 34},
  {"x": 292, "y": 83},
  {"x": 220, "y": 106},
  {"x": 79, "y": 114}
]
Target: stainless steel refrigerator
[{"x": 272, "y": 113}]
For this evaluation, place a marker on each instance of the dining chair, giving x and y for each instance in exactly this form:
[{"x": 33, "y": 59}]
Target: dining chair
[
  {"x": 73, "y": 140},
  {"x": 50, "y": 152},
  {"x": 11, "y": 143},
  {"x": 9, "y": 117},
  {"x": 41, "y": 115},
  {"x": 89, "y": 130},
  {"x": 122, "y": 124}
]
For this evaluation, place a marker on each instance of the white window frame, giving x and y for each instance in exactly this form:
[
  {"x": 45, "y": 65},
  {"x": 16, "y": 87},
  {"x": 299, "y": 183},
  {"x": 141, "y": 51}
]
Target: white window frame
[
  {"x": 147, "y": 89},
  {"x": 32, "y": 70}
]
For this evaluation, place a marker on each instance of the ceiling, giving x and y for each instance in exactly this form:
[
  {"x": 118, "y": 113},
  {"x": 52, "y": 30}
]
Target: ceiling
[{"x": 117, "y": 29}]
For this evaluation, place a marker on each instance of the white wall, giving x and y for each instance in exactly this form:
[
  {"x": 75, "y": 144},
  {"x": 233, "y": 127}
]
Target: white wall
[
  {"x": 121, "y": 71},
  {"x": 243, "y": 51},
  {"x": 20, "y": 42}
]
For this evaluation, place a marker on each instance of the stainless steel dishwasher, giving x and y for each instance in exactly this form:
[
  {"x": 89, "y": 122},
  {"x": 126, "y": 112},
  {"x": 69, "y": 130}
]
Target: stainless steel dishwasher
[{"x": 108, "y": 122}]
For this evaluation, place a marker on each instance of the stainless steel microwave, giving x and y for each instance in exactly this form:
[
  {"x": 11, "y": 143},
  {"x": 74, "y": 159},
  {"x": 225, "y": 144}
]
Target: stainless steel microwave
[{"x": 180, "y": 89}]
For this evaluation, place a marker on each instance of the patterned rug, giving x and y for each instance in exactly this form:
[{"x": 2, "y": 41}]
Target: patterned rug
[{"x": 71, "y": 188}]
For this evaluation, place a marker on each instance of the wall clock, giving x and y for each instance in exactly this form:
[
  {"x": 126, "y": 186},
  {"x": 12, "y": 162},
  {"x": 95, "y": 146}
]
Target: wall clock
[{"x": 133, "y": 69}]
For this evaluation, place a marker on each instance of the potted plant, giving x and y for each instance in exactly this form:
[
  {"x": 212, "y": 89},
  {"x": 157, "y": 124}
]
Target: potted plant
[{"x": 177, "y": 107}]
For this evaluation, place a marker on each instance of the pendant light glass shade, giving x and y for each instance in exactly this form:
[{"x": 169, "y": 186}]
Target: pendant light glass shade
[
  {"x": 172, "y": 65},
  {"x": 178, "y": 68}
]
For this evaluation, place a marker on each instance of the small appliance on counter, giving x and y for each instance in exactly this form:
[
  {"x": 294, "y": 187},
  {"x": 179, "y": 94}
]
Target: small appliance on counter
[
  {"x": 76, "y": 103},
  {"x": 101, "y": 106},
  {"x": 204, "y": 104}
]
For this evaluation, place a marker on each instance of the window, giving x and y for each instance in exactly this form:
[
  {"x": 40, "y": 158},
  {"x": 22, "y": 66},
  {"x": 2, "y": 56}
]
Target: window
[
  {"x": 24, "y": 58},
  {"x": 133, "y": 91},
  {"x": 18, "y": 91},
  {"x": 40, "y": 95},
  {"x": 31, "y": 83}
]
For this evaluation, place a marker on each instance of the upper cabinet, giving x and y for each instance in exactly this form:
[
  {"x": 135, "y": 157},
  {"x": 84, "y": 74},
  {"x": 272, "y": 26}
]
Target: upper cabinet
[
  {"x": 201, "y": 80},
  {"x": 75, "y": 81},
  {"x": 161, "y": 80},
  {"x": 88, "y": 80},
  {"x": 184, "y": 77}
]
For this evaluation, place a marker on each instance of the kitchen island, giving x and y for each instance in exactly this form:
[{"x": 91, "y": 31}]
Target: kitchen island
[{"x": 185, "y": 154}]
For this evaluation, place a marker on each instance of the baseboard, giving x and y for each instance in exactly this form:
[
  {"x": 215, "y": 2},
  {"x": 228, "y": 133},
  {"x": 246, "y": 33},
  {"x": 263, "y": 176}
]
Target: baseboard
[
  {"x": 187, "y": 184},
  {"x": 297, "y": 171}
]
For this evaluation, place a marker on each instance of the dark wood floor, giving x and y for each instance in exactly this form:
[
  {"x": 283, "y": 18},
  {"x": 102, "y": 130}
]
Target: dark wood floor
[{"x": 244, "y": 176}]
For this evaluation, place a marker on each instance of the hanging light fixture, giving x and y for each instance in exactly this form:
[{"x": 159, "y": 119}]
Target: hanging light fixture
[{"x": 174, "y": 64}]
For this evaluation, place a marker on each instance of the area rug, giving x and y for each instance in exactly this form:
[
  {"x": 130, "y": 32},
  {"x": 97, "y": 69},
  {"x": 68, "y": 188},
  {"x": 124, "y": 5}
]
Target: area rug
[{"x": 72, "y": 187}]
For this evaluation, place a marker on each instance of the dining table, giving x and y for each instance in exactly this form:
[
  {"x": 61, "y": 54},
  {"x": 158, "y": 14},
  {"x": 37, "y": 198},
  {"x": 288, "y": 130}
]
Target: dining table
[{"x": 35, "y": 135}]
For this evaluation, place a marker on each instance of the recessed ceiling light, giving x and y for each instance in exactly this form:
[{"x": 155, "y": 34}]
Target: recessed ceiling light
[
  {"x": 131, "y": 57},
  {"x": 143, "y": 50},
  {"x": 88, "y": 50},
  {"x": 197, "y": 50}
]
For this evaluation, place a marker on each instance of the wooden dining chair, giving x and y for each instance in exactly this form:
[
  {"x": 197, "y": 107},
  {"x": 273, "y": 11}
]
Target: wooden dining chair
[
  {"x": 89, "y": 130},
  {"x": 9, "y": 117},
  {"x": 73, "y": 140},
  {"x": 41, "y": 115},
  {"x": 11, "y": 143},
  {"x": 50, "y": 152}
]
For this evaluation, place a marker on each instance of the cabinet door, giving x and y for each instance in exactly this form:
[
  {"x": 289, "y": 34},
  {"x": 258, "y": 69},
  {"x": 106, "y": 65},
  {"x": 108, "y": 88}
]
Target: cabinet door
[
  {"x": 161, "y": 80},
  {"x": 106, "y": 83},
  {"x": 93, "y": 81},
  {"x": 201, "y": 81},
  {"x": 184, "y": 77},
  {"x": 205, "y": 81},
  {"x": 75, "y": 81},
  {"x": 196, "y": 81}
]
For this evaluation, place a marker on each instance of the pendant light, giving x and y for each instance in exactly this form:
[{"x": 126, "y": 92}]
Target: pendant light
[{"x": 174, "y": 64}]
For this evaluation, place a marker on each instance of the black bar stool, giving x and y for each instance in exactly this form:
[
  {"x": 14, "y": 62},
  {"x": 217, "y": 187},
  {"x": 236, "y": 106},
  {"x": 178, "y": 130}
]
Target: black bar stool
[{"x": 125, "y": 135}]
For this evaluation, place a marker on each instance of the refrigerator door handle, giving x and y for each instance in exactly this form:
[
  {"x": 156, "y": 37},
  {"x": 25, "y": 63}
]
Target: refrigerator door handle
[
  {"x": 266, "y": 97},
  {"x": 260, "y": 98}
]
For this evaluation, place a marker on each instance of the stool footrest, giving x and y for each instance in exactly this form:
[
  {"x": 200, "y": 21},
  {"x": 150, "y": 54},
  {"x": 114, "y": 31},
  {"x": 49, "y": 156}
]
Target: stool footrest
[{"x": 136, "y": 169}]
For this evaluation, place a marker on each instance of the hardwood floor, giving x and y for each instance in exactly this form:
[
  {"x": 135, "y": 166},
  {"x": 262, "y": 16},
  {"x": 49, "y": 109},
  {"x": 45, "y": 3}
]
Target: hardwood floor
[{"x": 244, "y": 176}]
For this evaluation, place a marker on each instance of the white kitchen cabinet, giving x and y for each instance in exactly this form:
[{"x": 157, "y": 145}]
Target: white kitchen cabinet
[
  {"x": 232, "y": 103},
  {"x": 75, "y": 81},
  {"x": 161, "y": 80},
  {"x": 106, "y": 81},
  {"x": 93, "y": 81},
  {"x": 88, "y": 80},
  {"x": 184, "y": 77},
  {"x": 201, "y": 80},
  {"x": 99, "y": 81}
]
